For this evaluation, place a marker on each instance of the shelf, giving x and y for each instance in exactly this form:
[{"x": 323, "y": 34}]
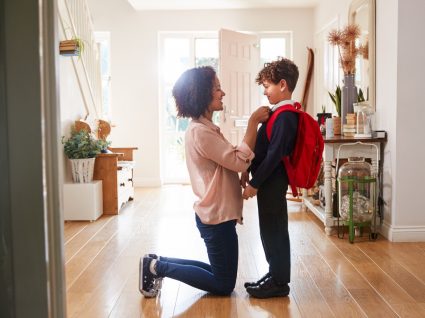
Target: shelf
[{"x": 319, "y": 212}]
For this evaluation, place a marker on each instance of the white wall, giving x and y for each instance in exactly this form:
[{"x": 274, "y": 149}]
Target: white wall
[
  {"x": 386, "y": 102},
  {"x": 134, "y": 64},
  {"x": 329, "y": 10},
  {"x": 71, "y": 107},
  {"x": 410, "y": 118}
]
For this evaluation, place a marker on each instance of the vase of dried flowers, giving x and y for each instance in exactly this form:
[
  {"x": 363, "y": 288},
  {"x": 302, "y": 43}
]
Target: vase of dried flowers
[{"x": 348, "y": 49}]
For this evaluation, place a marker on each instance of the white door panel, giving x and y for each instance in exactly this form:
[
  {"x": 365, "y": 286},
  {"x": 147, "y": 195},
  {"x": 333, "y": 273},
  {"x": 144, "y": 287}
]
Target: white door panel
[{"x": 239, "y": 63}]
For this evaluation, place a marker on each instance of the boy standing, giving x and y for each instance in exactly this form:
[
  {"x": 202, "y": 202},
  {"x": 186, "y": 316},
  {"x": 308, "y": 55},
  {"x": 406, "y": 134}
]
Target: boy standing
[{"x": 270, "y": 181}]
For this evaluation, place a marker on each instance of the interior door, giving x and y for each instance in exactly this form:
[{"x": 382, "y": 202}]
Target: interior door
[{"x": 239, "y": 64}]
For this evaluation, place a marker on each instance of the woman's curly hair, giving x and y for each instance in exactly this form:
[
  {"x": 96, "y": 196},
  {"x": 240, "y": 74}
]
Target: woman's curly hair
[
  {"x": 277, "y": 70},
  {"x": 193, "y": 91}
]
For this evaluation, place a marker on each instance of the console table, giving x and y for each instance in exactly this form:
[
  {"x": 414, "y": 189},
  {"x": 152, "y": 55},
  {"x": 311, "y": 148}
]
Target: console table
[{"x": 329, "y": 154}]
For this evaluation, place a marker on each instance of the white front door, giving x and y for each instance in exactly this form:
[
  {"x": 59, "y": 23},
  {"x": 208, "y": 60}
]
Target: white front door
[{"x": 239, "y": 64}]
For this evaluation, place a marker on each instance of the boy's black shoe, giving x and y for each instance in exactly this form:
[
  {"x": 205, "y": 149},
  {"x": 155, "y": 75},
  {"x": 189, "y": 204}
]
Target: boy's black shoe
[
  {"x": 268, "y": 288},
  {"x": 258, "y": 282}
]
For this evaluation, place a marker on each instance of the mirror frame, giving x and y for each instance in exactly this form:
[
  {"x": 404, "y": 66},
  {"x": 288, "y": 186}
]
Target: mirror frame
[{"x": 354, "y": 6}]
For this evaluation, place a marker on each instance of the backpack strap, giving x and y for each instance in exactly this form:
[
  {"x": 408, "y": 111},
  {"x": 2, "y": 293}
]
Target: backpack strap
[
  {"x": 288, "y": 107},
  {"x": 296, "y": 108}
]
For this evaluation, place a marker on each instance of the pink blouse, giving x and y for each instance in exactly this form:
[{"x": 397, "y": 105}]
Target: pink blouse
[{"x": 213, "y": 165}]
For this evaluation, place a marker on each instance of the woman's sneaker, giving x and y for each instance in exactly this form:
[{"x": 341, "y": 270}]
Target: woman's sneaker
[
  {"x": 146, "y": 278},
  {"x": 158, "y": 280}
]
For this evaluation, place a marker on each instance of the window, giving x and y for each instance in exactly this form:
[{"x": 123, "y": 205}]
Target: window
[
  {"x": 103, "y": 39},
  {"x": 179, "y": 52},
  {"x": 326, "y": 70},
  {"x": 273, "y": 46}
]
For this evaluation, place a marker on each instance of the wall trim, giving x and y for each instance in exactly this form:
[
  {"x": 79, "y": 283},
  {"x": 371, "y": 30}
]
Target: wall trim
[{"x": 405, "y": 233}]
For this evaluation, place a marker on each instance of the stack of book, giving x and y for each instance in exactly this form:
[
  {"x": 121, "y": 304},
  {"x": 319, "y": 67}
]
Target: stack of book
[
  {"x": 349, "y": 129},
  {"x": 69, "y": 48}
]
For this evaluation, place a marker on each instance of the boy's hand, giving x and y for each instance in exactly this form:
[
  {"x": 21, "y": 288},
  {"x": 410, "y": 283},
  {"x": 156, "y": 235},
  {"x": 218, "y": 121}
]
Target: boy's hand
[{"x": 249, "y": 192}]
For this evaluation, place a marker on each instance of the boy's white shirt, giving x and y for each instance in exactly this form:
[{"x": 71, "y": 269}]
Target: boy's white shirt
[{"x": 281, "y": 103}]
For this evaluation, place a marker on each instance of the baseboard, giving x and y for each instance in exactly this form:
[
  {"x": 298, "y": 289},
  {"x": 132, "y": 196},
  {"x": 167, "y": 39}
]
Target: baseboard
[
  {"x": 403, "y": 233},
  {"x": 147, "y": 182}
]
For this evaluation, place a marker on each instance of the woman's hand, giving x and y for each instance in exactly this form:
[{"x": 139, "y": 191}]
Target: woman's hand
[
  {"x": 244, "y": 179},
  {"x": 261, "y": 114}
]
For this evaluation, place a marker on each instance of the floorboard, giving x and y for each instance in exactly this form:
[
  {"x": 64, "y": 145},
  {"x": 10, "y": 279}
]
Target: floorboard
[{"x": 330, "y": 277}]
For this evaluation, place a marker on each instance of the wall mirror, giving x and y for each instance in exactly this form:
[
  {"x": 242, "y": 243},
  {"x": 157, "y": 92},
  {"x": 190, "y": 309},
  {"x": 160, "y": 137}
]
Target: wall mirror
[{"x": 362, "y": 12}]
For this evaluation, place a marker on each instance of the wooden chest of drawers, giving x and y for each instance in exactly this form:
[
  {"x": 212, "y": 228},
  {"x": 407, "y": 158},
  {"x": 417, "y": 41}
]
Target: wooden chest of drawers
[{"x": 116, "y": 172}]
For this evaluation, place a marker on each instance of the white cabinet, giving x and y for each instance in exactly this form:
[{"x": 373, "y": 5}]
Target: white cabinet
[{"x": 83, "y": 201}]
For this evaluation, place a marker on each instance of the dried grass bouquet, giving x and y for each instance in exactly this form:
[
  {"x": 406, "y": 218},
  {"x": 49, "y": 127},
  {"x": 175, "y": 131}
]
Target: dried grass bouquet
[{"x": 345, "y": 39}]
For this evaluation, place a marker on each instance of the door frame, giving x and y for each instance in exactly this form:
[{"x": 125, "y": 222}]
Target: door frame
[{"x": 32, "y": 242}]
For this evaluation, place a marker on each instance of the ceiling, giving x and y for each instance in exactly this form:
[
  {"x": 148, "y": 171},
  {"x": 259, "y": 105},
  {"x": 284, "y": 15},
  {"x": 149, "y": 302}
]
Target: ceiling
[{"x": 219, "y": 4}]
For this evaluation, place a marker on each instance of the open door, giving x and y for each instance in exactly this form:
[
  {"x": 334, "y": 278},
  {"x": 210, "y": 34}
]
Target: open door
[{"x": 239, "y": 64}]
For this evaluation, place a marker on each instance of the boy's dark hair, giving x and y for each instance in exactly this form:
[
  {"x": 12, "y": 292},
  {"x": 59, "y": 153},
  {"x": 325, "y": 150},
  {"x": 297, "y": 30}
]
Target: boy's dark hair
[
  {"x": 277, "y": 70},
  {"x": 193, "y": 91}
]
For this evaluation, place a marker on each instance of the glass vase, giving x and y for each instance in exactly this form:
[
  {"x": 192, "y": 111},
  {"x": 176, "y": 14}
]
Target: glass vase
[{"x": 348, "y": 97}]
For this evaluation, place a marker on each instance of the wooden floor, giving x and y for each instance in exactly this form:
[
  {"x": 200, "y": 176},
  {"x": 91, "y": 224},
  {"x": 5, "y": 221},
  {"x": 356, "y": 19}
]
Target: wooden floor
[{"x": 330, "y": 276}]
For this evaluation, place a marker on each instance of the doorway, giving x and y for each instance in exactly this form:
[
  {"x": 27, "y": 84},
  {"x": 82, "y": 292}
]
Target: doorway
[{"x": 180, "y": 51}]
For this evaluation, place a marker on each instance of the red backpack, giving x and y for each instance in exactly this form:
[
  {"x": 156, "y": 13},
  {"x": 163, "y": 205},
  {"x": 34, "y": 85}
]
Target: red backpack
[{"x": 303, "y": 164}]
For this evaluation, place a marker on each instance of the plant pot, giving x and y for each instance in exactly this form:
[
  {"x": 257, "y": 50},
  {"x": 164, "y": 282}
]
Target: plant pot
[
  {"x": 337, "y": 125},
  {"x": 82, "y": 170},
  {"x": 70, "y": 48}
]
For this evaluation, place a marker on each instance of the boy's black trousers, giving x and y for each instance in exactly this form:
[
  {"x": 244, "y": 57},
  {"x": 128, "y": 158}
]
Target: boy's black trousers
[{"x": 273, "y": 219}]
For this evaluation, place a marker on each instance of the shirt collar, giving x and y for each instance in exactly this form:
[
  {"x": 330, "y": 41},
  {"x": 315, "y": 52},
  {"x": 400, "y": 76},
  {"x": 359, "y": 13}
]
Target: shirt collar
[
  {"x": 281, "y": 103},
  {"x": 208, "y": 123}
]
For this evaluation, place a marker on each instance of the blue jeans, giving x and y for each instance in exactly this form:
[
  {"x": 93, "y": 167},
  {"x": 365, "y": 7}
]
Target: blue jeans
[{"x": 218, "y": 277}]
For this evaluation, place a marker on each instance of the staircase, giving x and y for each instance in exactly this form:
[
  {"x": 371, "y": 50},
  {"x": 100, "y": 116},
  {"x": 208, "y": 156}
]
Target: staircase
[{"x": 75, "y": 22}]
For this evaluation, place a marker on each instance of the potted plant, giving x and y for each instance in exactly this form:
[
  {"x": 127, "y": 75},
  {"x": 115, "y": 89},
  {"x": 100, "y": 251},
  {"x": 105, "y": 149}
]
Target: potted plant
[
  {"x": 73, "y": 47},
  {"x": 336, "y": 99},
  {"x": 348, "y": 48},
  {"x": 81, "y": 148}
]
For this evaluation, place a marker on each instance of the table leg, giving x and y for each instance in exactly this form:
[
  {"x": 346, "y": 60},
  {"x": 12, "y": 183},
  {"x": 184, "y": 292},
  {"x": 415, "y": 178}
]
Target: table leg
[{"x": 328, "y": 197}]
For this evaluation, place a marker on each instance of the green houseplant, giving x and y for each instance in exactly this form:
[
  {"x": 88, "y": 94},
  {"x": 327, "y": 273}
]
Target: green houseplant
[
  {"x": 72, "y": 47},
  {"x": 81, "y": 148},
  {"x": 336, "y": 99}
]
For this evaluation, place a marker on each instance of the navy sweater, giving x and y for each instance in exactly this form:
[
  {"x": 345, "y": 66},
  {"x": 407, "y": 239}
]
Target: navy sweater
[{"x": 268, "y": 155}]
